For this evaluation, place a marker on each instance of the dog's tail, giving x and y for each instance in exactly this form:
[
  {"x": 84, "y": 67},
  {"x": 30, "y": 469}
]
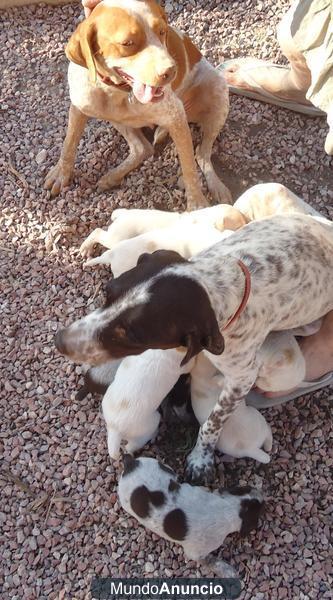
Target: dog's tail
[
  {"x": 114, "y": 441},
  {"x": 259, "y": 454}
]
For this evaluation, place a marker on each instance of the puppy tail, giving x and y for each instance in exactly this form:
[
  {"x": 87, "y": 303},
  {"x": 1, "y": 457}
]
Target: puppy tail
[
  {"x": 260, "y": 455},
  {"x": 114, "y": 442},
  {"x": 268, "y": 443}
]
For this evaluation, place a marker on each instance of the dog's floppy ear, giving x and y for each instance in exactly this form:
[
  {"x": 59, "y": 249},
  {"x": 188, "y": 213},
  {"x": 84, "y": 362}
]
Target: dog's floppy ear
[
  {"x": 80, "y": 48},
  {"x": 195, "y": 343}
]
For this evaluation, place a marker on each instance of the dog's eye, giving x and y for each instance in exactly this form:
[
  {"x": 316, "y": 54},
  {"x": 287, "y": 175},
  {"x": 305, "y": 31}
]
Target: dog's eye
[
  {"x": 162, "y": 32},
  {"x": 127, "y": 43}
]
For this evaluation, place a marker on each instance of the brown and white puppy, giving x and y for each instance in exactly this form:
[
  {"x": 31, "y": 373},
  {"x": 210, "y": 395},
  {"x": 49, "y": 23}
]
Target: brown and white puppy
[
  {"x": 128, "y": 67},
  {"x": 191, "y": 516},
  {"x": 167, "y": 302}
]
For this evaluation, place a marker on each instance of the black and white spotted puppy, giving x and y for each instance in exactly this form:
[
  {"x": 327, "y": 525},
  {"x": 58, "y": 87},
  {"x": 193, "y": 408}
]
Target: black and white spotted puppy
[{"x": 191, "y": 516}]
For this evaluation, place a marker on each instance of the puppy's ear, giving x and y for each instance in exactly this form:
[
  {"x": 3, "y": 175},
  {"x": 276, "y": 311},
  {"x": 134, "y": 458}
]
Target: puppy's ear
[
  {"x": 161, "y": 258},
  {"x": 195, "y": 343},
  {"x": 232, "y": 219},
  {"x": 130, "y": 463},
  {"x": 113, "y": 290},
  {"x": 80, "y": 48}
]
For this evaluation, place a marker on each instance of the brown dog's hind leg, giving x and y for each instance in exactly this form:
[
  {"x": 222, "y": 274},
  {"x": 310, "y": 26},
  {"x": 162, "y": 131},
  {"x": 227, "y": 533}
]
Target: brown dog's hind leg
[
  {"x": 209, "y": 110},
  {"x": 60, "y": 175},
  {"x": 218, "y": 190},
  {"x": 180, "y": 132},
  {"x": 140, "y": 149},
  {"x": 211, "y": 122}
]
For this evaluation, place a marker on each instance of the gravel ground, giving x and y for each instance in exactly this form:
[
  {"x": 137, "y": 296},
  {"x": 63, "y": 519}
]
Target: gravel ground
[{"x": 60, "y": 518}]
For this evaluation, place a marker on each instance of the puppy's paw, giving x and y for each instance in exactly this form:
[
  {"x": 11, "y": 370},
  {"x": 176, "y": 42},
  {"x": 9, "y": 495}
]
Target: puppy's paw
[
  {"x": 87, "y": 248},
  {"x": 220, "y": 568},
  {"x": 200, "y": 467},
  {"x": 58, "y": 178}
]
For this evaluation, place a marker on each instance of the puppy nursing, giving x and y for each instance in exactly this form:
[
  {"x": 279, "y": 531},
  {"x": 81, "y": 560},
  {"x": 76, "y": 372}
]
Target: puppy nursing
[
  {"x": 131, "y": 401},
  {"x": 245, "y": 432},
  {"x": 187, "y": 240},
  {"x": 130, "y": 404},
  {"x": 191, "y": 516},
  {"x": 133, "y": 232}
]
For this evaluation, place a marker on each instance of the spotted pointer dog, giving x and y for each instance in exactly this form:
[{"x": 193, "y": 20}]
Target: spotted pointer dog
[
  {"x": 271, "y": 275},
  {"x": 129, "y": 67}
]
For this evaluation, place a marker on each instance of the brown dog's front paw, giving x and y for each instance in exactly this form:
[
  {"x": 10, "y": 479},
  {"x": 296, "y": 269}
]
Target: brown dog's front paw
[
  {"x": 58, "y": 178},
  {"x": 108, "y": 181}
]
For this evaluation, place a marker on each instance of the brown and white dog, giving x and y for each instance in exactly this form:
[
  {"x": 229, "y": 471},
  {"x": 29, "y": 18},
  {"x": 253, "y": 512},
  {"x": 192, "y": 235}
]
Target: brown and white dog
[{"x": 128, "y": 67}]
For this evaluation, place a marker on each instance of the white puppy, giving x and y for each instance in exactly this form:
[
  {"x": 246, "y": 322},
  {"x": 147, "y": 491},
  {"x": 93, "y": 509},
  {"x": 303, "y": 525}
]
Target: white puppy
[
  {"x": 260, "y": 201},
  {"x": 191, "y": 516},
  {"x": 127, "y": 224},
  {"x": 186, "y": 239},
  {"x": 267, "y": 199},
  {"x": 246, "y": 430},
  {"x": 131, "y": 401},
  {"x": 282, "y": 362}
]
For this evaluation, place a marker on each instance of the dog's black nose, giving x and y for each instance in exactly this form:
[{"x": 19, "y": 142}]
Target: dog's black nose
[{"x": 59, "y": 341}]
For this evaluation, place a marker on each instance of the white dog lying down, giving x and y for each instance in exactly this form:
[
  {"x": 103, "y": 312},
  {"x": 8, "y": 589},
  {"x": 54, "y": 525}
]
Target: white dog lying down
[
  {"x": 129, "y": 223},
  {"x": 191, "y": 516},
  {"x": 187, "y": 239},
  {"x": 134, "y": 231},
  {"x": 130, "y": 404}
]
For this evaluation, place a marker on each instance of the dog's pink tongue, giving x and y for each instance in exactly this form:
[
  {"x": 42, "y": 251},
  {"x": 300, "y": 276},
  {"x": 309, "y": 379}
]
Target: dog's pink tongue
[{"x": 143, "y": 93}]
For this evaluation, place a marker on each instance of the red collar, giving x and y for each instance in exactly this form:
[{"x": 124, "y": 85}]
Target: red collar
[
  {"x": 245, "y": 298},
  {"x": 124, "y": 87}
]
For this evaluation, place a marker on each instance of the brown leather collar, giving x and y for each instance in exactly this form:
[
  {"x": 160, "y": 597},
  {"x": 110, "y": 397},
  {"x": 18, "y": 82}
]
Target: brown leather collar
[
  {"x": 124, "y": 87},
  {"x": 245, "y": 298}
]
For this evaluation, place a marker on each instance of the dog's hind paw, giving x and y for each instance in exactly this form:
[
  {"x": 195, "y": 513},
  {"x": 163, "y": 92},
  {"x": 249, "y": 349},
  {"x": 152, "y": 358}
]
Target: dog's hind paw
[
  {"x": 200, "y": 467},
  {"x": 220, "y": 567}
]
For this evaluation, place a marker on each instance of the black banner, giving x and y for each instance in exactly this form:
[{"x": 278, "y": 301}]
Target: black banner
[{"x": 165, "y": 589}]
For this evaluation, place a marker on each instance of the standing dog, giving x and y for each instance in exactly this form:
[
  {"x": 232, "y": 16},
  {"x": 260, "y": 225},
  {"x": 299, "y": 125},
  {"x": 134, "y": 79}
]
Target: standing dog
[
  {"x": 128, "y": 67},
  {"x": 271, "y": 275}
]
